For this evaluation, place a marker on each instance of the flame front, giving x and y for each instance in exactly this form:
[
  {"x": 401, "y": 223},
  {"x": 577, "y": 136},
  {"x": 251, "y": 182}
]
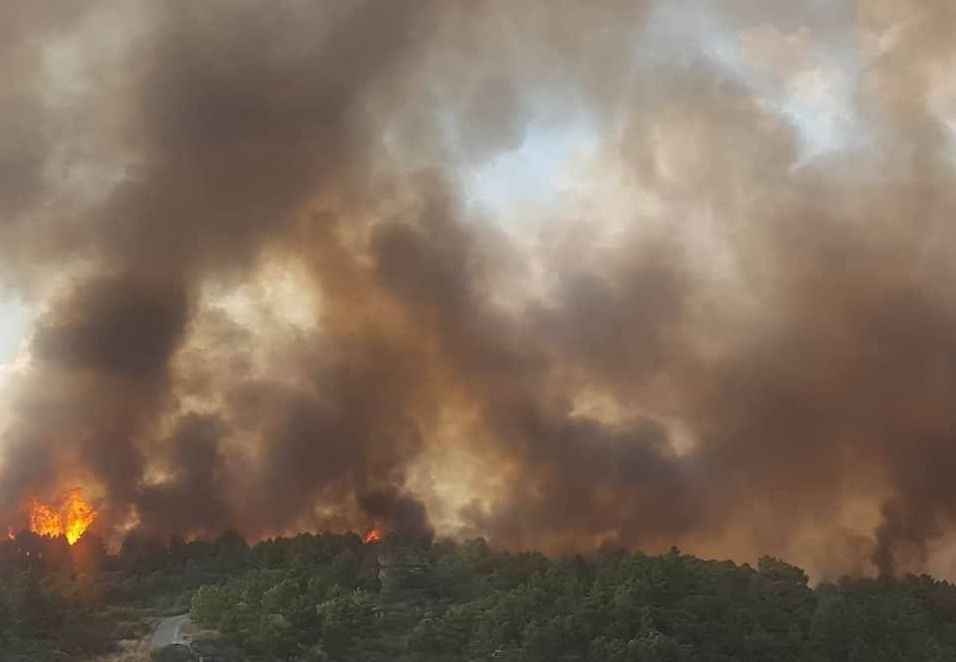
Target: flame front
[
  {"x": 78, "y": 515},
  {"x": 44, "y": 521},
  {"x": 373, "y": 536},
  {"x": 71, "y": 520}
]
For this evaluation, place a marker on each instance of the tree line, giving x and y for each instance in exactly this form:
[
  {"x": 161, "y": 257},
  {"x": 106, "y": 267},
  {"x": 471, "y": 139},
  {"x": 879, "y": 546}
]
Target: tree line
[{"x": 329, "y": 597}]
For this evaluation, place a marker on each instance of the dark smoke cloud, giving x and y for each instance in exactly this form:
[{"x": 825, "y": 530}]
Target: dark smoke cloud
[
  {"x": 191, "y": 498},
  {"x": 266, "y": 297},
  {"x": 114, "y": 325},
  {"x": 399, "y": 512}
]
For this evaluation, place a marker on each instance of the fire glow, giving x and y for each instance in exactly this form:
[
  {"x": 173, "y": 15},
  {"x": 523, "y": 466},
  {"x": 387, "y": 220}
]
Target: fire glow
[
  {"x": 373, "y": 536},
  {"x": 71, "y": 519}
]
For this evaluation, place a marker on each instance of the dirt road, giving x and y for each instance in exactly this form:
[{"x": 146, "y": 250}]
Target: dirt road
[{"x": 170, "y": 631}]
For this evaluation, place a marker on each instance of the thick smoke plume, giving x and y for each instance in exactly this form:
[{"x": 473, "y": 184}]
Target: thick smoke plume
[{"x": 560, "y": 274}]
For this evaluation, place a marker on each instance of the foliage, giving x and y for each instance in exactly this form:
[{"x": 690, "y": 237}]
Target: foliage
[{"x": 331, "y": 598}]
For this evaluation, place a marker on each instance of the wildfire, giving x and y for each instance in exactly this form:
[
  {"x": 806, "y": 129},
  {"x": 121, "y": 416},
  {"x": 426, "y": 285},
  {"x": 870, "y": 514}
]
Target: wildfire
[
  {"x": 71, "y": 520},
  {"x": 373, "y": 536}
]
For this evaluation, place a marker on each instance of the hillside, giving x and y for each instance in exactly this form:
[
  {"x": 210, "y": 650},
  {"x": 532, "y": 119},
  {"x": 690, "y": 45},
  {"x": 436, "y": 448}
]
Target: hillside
[{"x": 332, "y": 597}]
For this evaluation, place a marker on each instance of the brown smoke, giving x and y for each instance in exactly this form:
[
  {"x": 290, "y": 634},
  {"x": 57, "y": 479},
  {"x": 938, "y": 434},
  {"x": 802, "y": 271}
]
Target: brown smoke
[{"x": 265, "y": 296}]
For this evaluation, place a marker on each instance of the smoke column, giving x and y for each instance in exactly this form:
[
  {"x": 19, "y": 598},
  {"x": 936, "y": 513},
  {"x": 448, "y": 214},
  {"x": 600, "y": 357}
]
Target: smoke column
[{"x": 559, "y": 274}]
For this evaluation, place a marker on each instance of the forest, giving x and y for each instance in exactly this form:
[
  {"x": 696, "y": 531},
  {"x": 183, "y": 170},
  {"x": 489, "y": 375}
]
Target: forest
[{"x": 332, "y": 597}]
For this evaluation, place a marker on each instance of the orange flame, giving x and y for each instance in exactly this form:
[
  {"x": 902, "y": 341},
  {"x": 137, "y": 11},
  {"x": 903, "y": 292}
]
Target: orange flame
[
  {"x": 71, "y": 520},
  {"x": 373, "y": 536}
]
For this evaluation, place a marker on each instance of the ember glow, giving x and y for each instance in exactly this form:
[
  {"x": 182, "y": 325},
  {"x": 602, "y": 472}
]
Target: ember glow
[
  {"x": 70, "y": 519},
  {"x": 373, "y": 536}
]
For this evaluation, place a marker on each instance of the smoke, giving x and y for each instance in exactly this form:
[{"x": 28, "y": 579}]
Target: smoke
[
  {"x": 398, "y": 511},
  {"x": 618, "y": 273}
]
